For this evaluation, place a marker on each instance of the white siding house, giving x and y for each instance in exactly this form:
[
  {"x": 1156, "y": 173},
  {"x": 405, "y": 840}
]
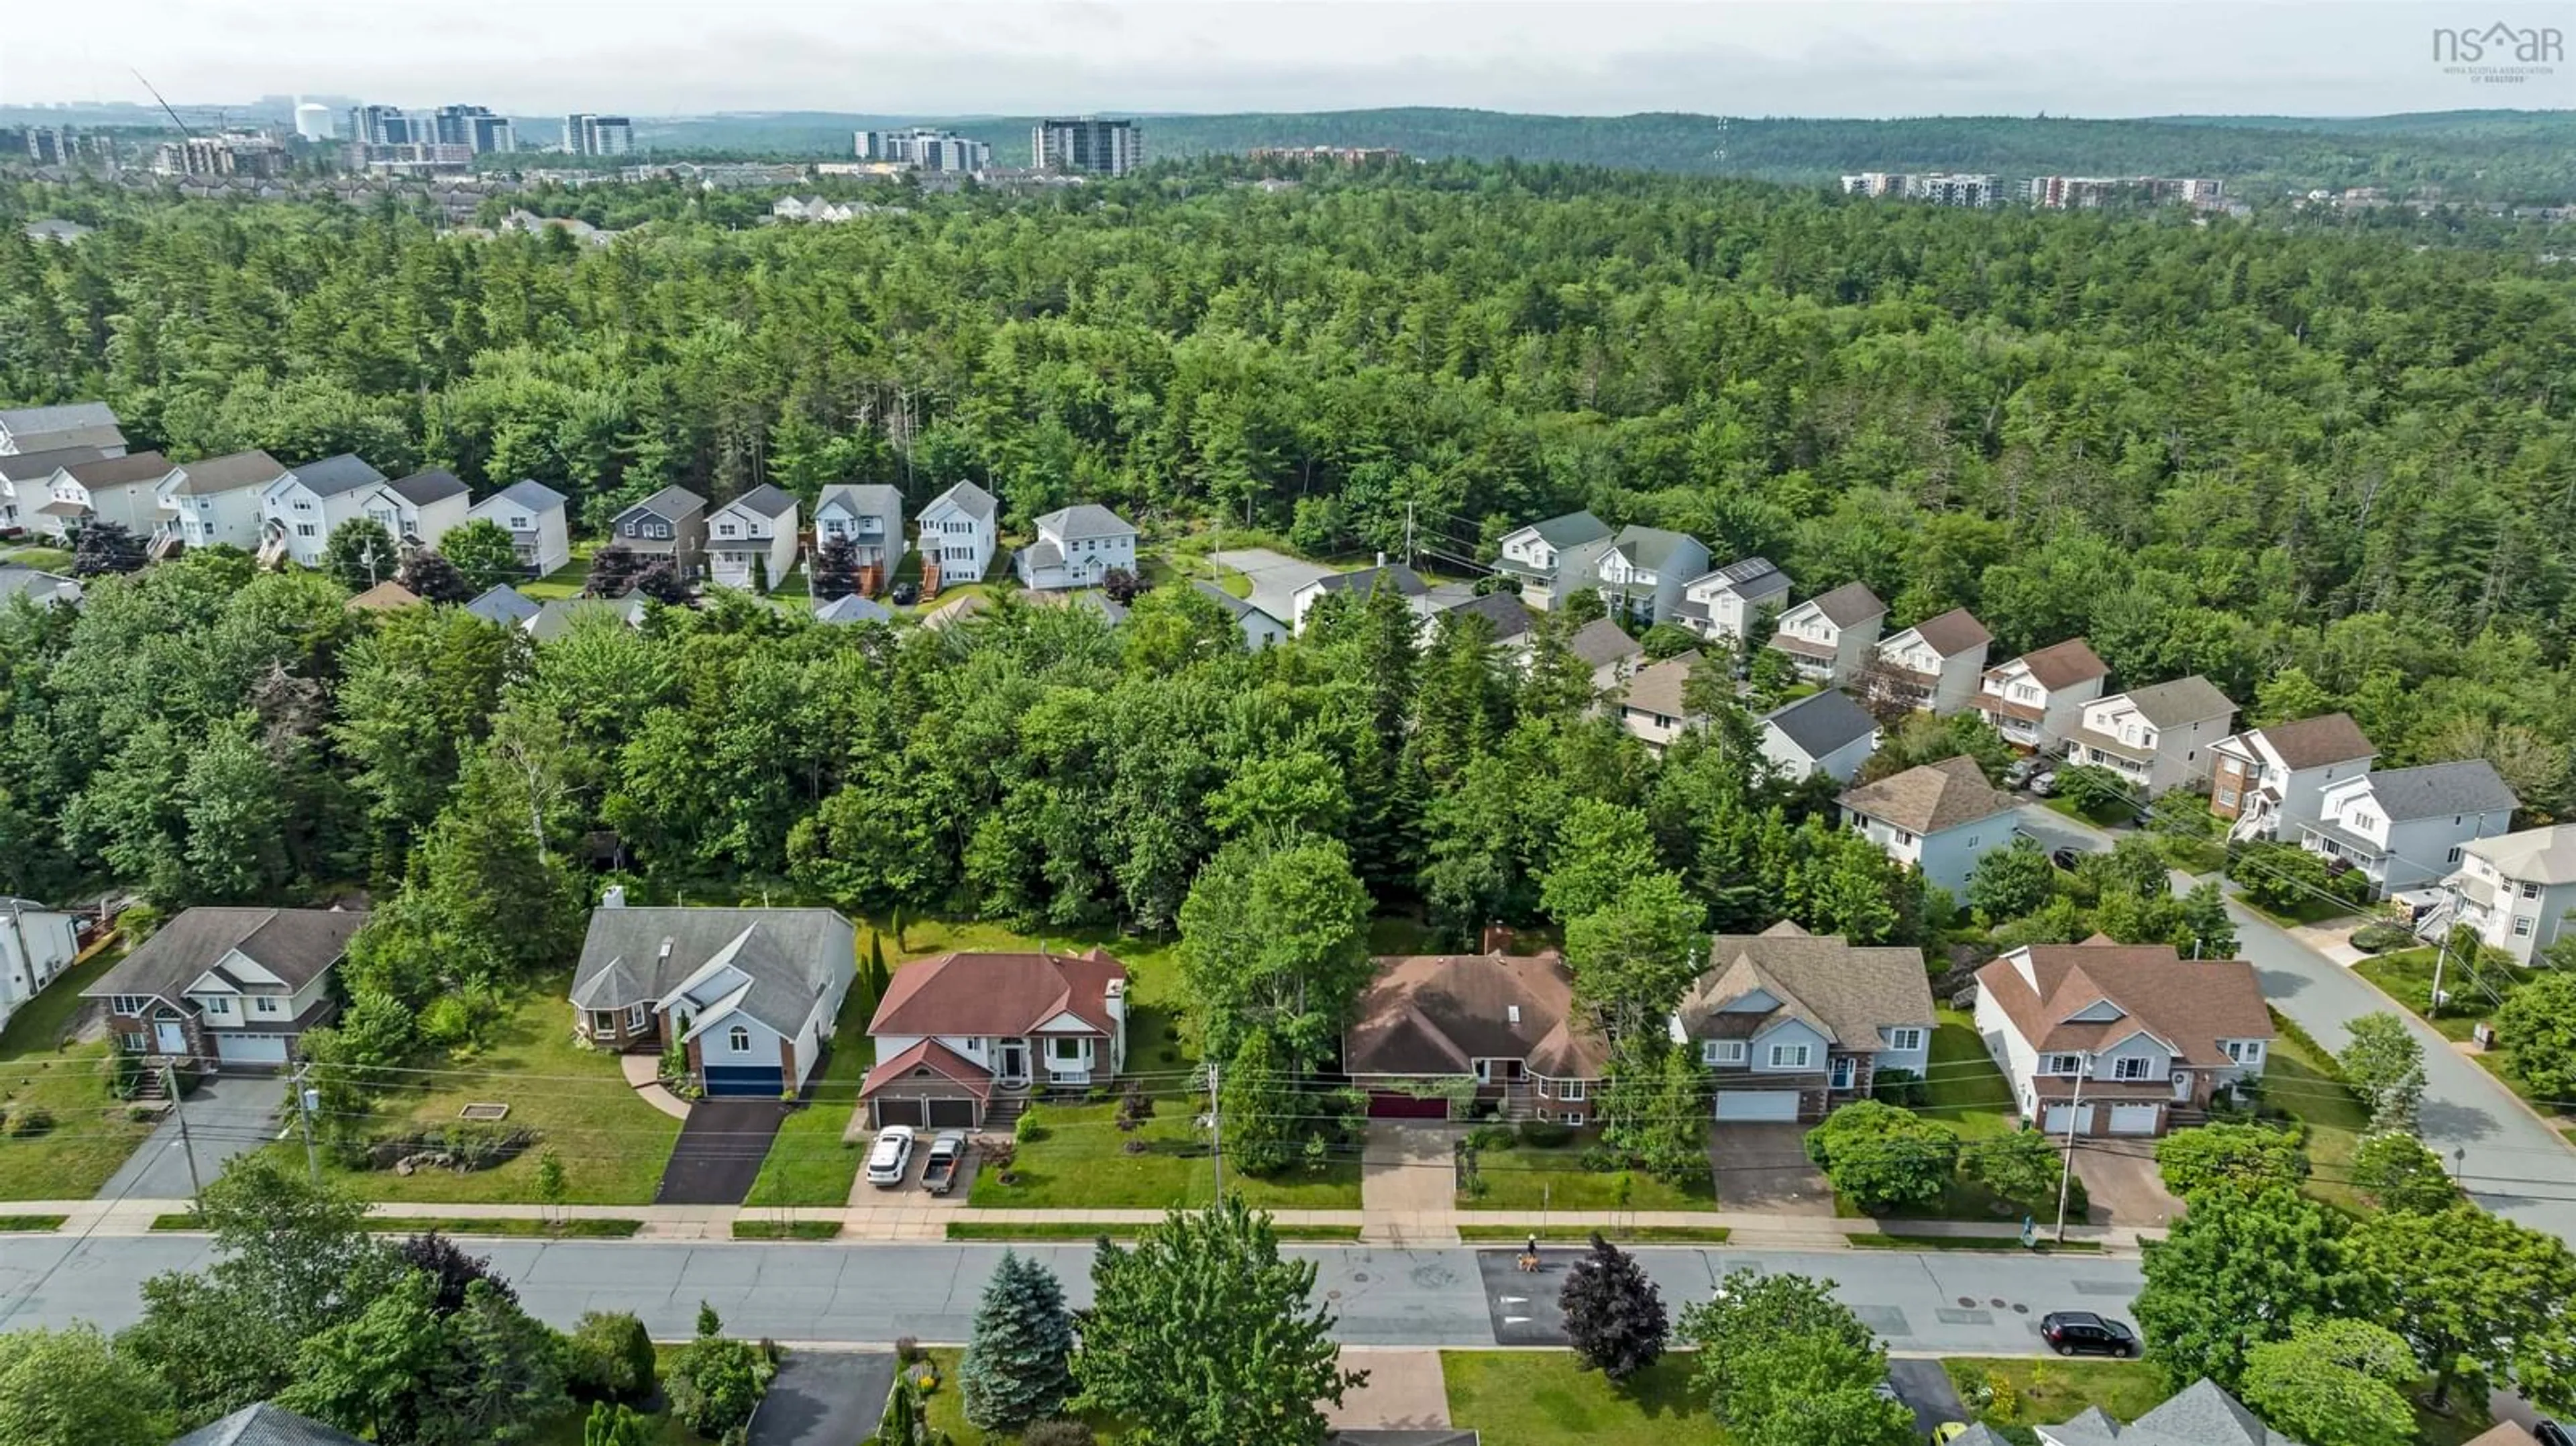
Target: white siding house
[
  {"x": 533, "y": 514},
  {"x": 123, "y": 490},
  {"x": 1260, "y": 629},
  {"x": 1935, "y": 665},
  {"x": 1824, "y": 732},
  {"x": 1726, "y": 604},
  {"x": 2406, "y": 827},
  {"x": 1531, "y": 555},
  {"x": 2037, "y": 700},
  {"x": 959, "y": 532},
  {"x": 1076, "y": 547},
  {"x": 870, "y": 516},
  {"x": 36, "y": 945},
  {"x": 2120, "y": 1039},
  {"x": 751, "y": 541},
  {"x": 2272, "y": 781},
  {"x": 1829, "y": 638},
  {"x": 1639, "y": 573},
  {"x": 299, "y": 510},
  {"x": 2517, "y": 891},
  {"x": 215, "y": 500},
  {"x": 2156, "y": 739}
]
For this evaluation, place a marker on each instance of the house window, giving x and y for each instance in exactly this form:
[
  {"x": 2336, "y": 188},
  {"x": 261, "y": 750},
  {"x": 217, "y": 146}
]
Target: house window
[
  {"x": 1064, "y": 1051},
  {"x": 304, "y": 529},
  {"x": 2063, "y": 1064},
  {"x": 2227, "y": 798},
  {"x": 724, "y": 529},
  {"x": 603, "y": 1021},
  {"x": 1721, "y": 1051},
  {"x": 2531, "y": 891},
  {"x": 218, "y": 1005},
  {"x": 264, "y": 1003},
  {"x": 136, "y": 1042},
  {"x": 1791, "y": 1056},
  {"x": 1484, "y": 1071},
  {"x": 2522, "y": 928},
  {"x": 1904, "y": 1040},
  {"x": 1570, "y": 1090},
  {"x": 2453, "y": 856},
  {"x": 637, "y": 1014},
  {"x": 2129, "y": 1069},
  {"x": 738, "y": 1039},
  {"x": 2245, "y": 1051},
  {"x": 1843, "y": 1073},
  {"x": 1573, "y": 1117},
  {"x": 128, "y": 1004}
]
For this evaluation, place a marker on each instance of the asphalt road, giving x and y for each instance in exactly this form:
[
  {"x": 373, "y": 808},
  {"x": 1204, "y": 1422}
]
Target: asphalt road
[
  {"x": 1952, "y": 1303},
  {"x": 2513, "y": 1164}
]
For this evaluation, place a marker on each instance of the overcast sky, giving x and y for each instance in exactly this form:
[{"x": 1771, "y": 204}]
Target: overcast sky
[{"x": 953, "y": 57}]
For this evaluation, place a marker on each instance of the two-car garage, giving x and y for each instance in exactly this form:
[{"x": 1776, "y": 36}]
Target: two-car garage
[
  {"x": 925, "y": 1114},
  {"x": 1757, "y": 1106},
  {"x": 2122, "y": 1119}
]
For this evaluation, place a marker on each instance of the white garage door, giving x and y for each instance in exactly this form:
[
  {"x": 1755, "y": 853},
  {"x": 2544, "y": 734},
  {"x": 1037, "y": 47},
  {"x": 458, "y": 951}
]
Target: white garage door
[
  {"x": 1757, "y": 1105},
  {"x": 249, "y": 1048},
  {"x": 2056, "y": 1120},
  {"x": 2133, "y": 1119}
]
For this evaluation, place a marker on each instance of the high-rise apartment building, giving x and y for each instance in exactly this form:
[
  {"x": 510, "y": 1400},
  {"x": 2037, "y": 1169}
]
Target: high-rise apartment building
[
  {"x": 1941, "y": 188},
  {"x": 474, "y": 127},
  {"x": 585, "y": 134},
  {"x": 313, "y": 120},
  {"x": 925, "y": 149},
  {"x": 385, "y": 125},
  {"x": 1087, "y": 146}
]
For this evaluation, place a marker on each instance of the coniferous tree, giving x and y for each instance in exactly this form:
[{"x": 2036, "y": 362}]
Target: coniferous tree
[
  {"x": 1613, "y": 1313},
  {"x": 1018, "y": 1368}
]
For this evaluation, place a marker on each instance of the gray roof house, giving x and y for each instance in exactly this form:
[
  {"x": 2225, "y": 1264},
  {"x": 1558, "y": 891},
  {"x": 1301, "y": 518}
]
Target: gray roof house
[
  {"x": 1260, "y": 629},
  {"x": 504, "y": 606},
  {"x": 235, "y": 987},
  {"x": 1825, "y": 732},
  {"x": 671, "y": 523},
  {"x": 557, "y": 616},
  {"x": 535, "y": 517},
  {"x": 72, "y": 424},
  {"x": 1534, "y": 554},
  {"x": 869, "y": 515},
  {"x": 1396, "y": 578},
  {"x": 1606, "y": 649},
  {"x": 851, "y": 608},
  {"x": 266, "y": 1425},
  {"x": 36, "y": 586},
  {"x": 1076, "y": 547},
  {"x": 2201, "y": 1414},
  {"x": 1640, "y": 571},
  {"x": 229, "y": 472},
  {"x": 754, "y": 994},
  {"x": 1510, "y": 620},
  {"x": 334, "y": 475},
  {"x": 420, "y": 489}
]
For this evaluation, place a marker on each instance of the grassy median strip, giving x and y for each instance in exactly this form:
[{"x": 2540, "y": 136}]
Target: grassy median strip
[
  {"x": 15, "y": 1224},
  {"x": 1124, "y": 1230},
  {"x": 1629, "y": 1235},
  {"x": 1900, "y": 1240},
  {"x": 787, "y": 1230},
  {"x": 577, "y": 1229}
]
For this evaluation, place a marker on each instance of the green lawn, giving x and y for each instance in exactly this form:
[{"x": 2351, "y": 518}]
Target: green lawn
[
  {"x": 1629, "y": 1235},
  {"x": 39, "y": 557},
  {"x": 948, "y": 1408},
  {"x": 787, "y": 1230},
  {"x": 30, "y": 1224},
  {"x": 999, "y": 1232},
  {"x": 2044, "y": 1392},
  {"x": 2100, "y": 818},
  {"x": 613, "y": 1145},
  {"x": 91, "y": 1135},
  {"x": 808, "y": 1164},
  {"x": 1964, "y": 1083},
  {"x": 1085, "y": 1162},
  {"x": 565, "y": 581},
  {"x": 2407, "y": 976},
  {"x": 2308, "y": 910},
  {"x": 1525, "y": 1178},
  {"x": 1541, "y": 1398},
  {"x": 2302, "y": 1081}
]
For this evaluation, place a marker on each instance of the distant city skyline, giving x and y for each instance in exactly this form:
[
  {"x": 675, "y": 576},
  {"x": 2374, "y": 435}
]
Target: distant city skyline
[{"x": 1861, "y": 59}]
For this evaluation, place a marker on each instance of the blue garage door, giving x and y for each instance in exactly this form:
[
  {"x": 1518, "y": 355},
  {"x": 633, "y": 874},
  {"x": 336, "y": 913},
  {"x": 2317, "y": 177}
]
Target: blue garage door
[{"x": 744, "y": 1079}]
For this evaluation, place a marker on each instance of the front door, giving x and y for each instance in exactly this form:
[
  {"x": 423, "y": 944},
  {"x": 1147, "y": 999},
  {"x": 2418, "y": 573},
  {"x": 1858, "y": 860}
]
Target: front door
[
  {"x": 1015, "y": 1062},
  {"x": 171, "y": 1035},
  {"x": 2182, "y": 1085}
]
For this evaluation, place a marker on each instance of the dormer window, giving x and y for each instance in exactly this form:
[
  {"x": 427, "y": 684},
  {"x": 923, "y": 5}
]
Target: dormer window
[{"x": 2063, "y": 1064}]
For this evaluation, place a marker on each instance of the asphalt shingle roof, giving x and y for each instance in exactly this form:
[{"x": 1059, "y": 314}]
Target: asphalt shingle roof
[
  {"x": 1652, "y": 548},
  {"x": 266, "y": 1425},
  {"x": 1403, "y": 580},
  {"x": 37, "y": 466},
  {"x": 2061, "y": 665},
  {"x": 505, "y": 605},
  {"x": 117, "y": 471},
  {"x": 1850, "y": 992},
  {"x": 968, "y": 498},
  {"x": 1504, "y": 610},
  {"x": 334, "y": 475},
  {"x": 1602, "y": 642},
  {"x": 233, "y": 470},
  {"x": 671, "y": 504},
  {"x": 2190, "y": 1004},
  {"x": 61, "y": 418},
  {"x": 765, "y": 500},
  {"x": 1657, "y": 687},
  {"x": 530, "y": 494},
  {"x": 2183, "y": 700},
  {"x": 862, "y": 499},
  {"x": 1822, "y": 723},
  {"x": 1749, "y": 575},
  {"x": 34, "y": 585},
  {"x": 296, "y": 945},
  {"x": 851, "y": 608},
  {"x": 1953, "y": 632},
  {"x": 1436, "y": 1014},
  {"x": 1085, "y": 519},
  {"x": 639, "y": 955},
  {"x": 1571, "y": 530},
  {"x": 1851, "y": 603},
  {"x": 2541, "y": 855},
  {"x": 1932, "y": 798},
  {"x": 420, "y": 489},
  {"x": 2470, "y": 785}
]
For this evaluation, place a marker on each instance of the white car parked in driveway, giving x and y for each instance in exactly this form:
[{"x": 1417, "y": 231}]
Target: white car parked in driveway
[{"x": 890, "y": 1156}]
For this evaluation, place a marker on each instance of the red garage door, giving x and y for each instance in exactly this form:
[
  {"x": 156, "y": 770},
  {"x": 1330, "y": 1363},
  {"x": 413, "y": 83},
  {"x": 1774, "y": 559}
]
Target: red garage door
[{"x": 1392, "y": 1105}]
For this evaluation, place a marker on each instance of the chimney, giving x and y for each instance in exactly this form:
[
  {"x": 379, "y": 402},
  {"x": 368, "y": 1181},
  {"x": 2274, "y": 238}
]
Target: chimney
[
  {"x": 666, "y": 948},
  {"x": 1498, "y": 939},
  {"x": 614, "y": 898}
]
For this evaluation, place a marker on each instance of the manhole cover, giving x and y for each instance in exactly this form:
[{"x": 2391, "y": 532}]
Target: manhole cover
[
  {"x": 1332, "y": 1295},
  {"x": 1997, "y": 1302},
  {"x": 1360, "y": 1275},
  {"x": 1967, "y": 1302},
  {"x": 2020, "y": 1309}
]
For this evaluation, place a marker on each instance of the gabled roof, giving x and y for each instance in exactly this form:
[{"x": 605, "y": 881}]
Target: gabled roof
[
  {"x": 2470, "y": 785},
  {"x": 1952, "y": 633},
  {"x": 37, "y": 466},
  {"x": 1932, "y": 798},
  {"x": 671, "y": 504},
  {"x": 935, "y": 1058},
  {"x": 998, "y": 994},
  {"x": 2062, "y": 665},
  {"x": 1850, "y": 604},
  {"x": 557, "y": 616},
  {"x": 2200, "y": 1414},
  {"x": 420, "y": 489},
  {"x": 2183, "y": 700},
  {"x": 1848, "y": 992},
  {"x": 851, "y": 608},
  {"x": 1085, "y": 519},
  {"x": 1041, "y": 554},
  {"x": 1437, "y": 1014},
  {"x": 2313, "y": 742},
  {"x": 1571, "y": 530},
  {"x": 1602, "y": 642},
  {"x": 334, "y": 475},
  {"x": 36, "y": 586},
  {"x": 503, "y": 604},
  {"x": 764, "y": 501},
  {"x": 1235, "y": 607},
  {"x": 2189, "y": 1004},
  {"x": 528, "y": 493},
  {"x": 1511, "y": 619},
  {"x": 384, "y": 597},
  {"x": 296, "y": 945},
  {"x": 266, "y": 1425},
  {"x": 229, "y": 472},
  {"x": 791, "y": 958},
  {"x": 1657, "y": 687},
  {"x": 118, "y": 471},
  {"x": 1398, "y": 578},
  {"x": 2540, "y": 855},
  {"x": 1653, "y": 548},
  {"x": 1748, "y": 575},
  {"x": 966, "y": 497},
  {"x": 862, "y": 499},
  {"x": 65, "y": 417},
  {"x": 1822, "y": 724}
]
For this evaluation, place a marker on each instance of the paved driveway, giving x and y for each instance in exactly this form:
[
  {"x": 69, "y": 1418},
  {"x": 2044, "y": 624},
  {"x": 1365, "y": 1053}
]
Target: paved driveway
[
  {"x": 719, "y": 1152},
  {"x": 824, "y": 1398},
  {"x": 1405, "y": 1391},
  {"x": 1926, "y": 1391},
  {"x": 2056, "y": 831},
  {"x": 2513, "y": 1164},
  {"x": 2121, "y": 1179},
  {"x": 1275, "y": 577},
  {"x": 226, "y": 1116},
  {"x": 1406, "y": 1172},
  {"x": 1765, "y": 1169}
]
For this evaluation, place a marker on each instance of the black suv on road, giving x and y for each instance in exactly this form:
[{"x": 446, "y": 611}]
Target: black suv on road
[{"x": 2082, "y": 1333}]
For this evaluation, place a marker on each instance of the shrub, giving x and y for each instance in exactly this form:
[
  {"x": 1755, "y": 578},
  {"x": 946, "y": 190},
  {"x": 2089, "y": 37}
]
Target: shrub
[
  {"x": 2381, "y": 937},
  {"x": 1490, "y": 1137},
  {"x": 1030, "y": 1128},
  {"x": 2247, "y": 1158},
  {"x": 1901, "y": 1087},
  {"x": 29, "y": 1121},
  {"x": 907, "y": 1349},
  {"x": 609, "y": 1356},
  {"x": 1601, "y": 1160},
  {"x": 1058, "y": 1433},
  {"x": 1545, "y": 1134},
  {"x": 1881, "y": 1158}
]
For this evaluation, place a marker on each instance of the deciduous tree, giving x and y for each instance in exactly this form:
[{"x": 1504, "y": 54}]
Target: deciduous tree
[
  {"x": 2470, "y": 1290},
  {"x": 2384, "y": 1065},
  {"x": 482, "y": 553},
  {"x": 1613, "y": 1313},
  {"x": 2333, "y": 1383},
  {"x": 360, "y": 554},
  {"x": 72, "y": 1388},
  {"x": 1883, "y": 1159},
  {"x": 1783, "y": 1363},
  {"x": 2244, "y": 1158},
  {"x": 2538, "y": 1023},
  {"x": 2235, "y": 1271}
]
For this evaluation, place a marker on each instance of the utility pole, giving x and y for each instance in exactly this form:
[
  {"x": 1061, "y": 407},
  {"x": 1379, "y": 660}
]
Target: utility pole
[
  {"x": 2066, "y": 1171},
  {"x": 1216, "y": 1128},
  {"x": 2442, "y": 955},
  {"x": 1408, "y": 534},
  {"x": 307, "y": 1100},
  {"x": 187, "y": 1147}
]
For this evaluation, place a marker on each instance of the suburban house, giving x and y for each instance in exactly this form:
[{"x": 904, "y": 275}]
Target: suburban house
[
  {"x": 266, "y": 1425},
  {"x": 1359, "y": 585},
  {"x": 751, "y": 994},
  {"x": 671, "y": 523},
  {"x": 870, "y": 516},
  {"x": 1076, "y": 546},
  {"x": 2407, "y": 827},
  {"x": 1824, "y": 732},
  {"x": 959, "y": 531},
  {"x": 1639, "y": 572},
  {"x": 2271, "y": 781},
  {"x": 816, "y": 208},
  {"x": 1936, "y": 664},
  {"x": 1829, "y": 638},
  {"x": 2516, "y": 891},
  {"x": 36, "y": 586},
  {"x": 1605, "y": 648},
  {"x": 1506, "y": 615},
  {"x": 227, "y": 988},
  {"x": 2201, "y": 1414},
  {"x": 1651, "y": 706},
  {"x": 1437, "y": 1035},
  {"x": 421, "y": 508},
  {"x": 122, "y": 489},
  {"x": 961, "y": 1038},
  {"x": 2155, "y": 739},
  {"x": 557, "y": 616},
  {"x": 2100, "y": 1038},
  {"x": 215, "y": 500},
  {"x": 533, "y": 514},
  {"x": 26, "y": 482},
  {"x": 751, "y": 541},
  {"x": 73, "y": 424},
  {"x": 36, "y": 944},
  {"x": 1724, "y": 605},
  {"x": 504, "y": 606},
  {"x": 2037, "y": 700},
  {"x": 1260, "y": 629},
  {"x": 384, "y": 597},
  {"x": 1531, "y": 555},
  {"x": 850, "y": 607},
  {"x": 1791, "y": 1024},
  {"x": 1939, "y": 817},
  {"x": 298, "y": 510}
]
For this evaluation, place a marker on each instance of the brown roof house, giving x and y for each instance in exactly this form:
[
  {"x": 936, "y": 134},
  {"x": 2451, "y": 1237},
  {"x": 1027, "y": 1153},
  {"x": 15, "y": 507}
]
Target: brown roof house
[
  {"x": 752, "y": 994},
  {"x": 1651, "y": 706},
  {"x": 2101, "y": 1038},
  {"x": 961, "y": 1038},
  {"x": 1434, "y": 1031},
  {"x": 2271, "y": 780},
  {"x": 1792, "y": 1023},
  {"x": 227, "y": 988},
  {"x": 2037, "y": 700},
  {"x": 1830, "y": 638},
  {"x": 1934, "y": 665},
  {"x": 1940, "y": 817}
]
